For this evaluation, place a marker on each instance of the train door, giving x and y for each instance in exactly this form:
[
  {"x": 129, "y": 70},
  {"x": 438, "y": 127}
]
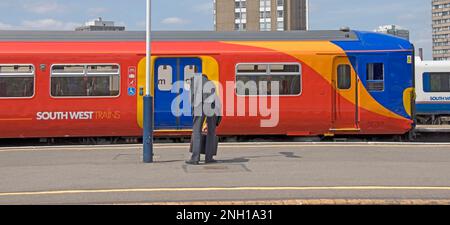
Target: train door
[
  {"x": 345, "y": 96},
  {"x": 167, "y": 72},
  {"x": 188, "y": 67}
]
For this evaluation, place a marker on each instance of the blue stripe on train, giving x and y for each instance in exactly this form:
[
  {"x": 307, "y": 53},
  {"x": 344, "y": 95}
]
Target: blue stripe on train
[{"x": 433, "y": 108}]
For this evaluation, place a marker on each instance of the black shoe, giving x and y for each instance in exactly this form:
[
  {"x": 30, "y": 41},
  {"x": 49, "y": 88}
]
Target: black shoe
[
  {"x": 192, "y": 162},
  {"x": 211, "y": 161}
]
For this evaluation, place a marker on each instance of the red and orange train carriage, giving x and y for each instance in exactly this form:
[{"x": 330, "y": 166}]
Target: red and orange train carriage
[{"x": 83, "y": 84}]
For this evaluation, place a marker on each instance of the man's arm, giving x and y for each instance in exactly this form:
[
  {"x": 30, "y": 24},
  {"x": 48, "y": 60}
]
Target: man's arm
[{"x": 191, "y": 85}]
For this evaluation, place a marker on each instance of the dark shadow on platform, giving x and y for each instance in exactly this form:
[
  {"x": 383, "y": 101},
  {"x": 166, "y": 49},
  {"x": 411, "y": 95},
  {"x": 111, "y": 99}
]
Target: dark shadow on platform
[
  {"x": 290, "y": 155},
  {"x": 235, "y": 160}
]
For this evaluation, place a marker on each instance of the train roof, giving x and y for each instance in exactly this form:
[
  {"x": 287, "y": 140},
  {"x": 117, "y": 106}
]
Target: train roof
[
  {"x": 172, "y": 42},
  {"x": 68, "y": 36},
  {"x": 433, "y": 64}
]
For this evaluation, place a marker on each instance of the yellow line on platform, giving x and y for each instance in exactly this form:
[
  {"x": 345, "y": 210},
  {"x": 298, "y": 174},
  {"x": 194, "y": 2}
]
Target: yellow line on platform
[
  {"x": 219, "y": 189},
  {"x": 221, "y": 146}
]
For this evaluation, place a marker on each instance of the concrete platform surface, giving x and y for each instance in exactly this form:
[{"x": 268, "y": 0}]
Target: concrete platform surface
[{"x": 267, "y": 173}]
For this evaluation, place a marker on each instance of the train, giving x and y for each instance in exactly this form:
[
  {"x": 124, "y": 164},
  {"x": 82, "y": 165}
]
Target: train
[
  {"x": 432, "y": 92},
  {"x": 59, "y": 84}
]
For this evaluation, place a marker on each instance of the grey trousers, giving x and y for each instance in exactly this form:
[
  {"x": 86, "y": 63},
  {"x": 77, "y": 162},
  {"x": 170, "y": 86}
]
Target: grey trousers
[{"x": 197, "y": 137}]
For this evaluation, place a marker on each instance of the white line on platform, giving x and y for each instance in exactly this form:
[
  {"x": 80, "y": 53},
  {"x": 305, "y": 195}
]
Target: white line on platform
[
  {"x": 224, "y": 145},
  {"x": 225, "y": 189}
]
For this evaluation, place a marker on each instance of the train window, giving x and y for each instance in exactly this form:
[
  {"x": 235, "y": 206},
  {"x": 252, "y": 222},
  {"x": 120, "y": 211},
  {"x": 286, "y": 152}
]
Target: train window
[
  {"x": 258, "y": 79},
  {"x": 17, "y": 81},
  {"x": 68, "y": 69},
  {"x": 85, "y": 80},
  {"x": 252, "y": 68},
  {"x": 277, "y": 68},
  {"x": 189, "y": 72},
  {"x": 344, "y": 77},
  {"x": 375, "y": 77},
  {"x": 165, "y": 78},
  {"x": 436, "y": 82},
  {"x": 103, "y": 69}
]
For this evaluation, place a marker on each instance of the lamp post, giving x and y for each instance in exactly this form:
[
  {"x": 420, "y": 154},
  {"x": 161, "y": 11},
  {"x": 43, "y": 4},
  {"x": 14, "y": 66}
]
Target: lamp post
[
  {"x": 148, "y": 99},
  {"x": 307, "y": 15}
]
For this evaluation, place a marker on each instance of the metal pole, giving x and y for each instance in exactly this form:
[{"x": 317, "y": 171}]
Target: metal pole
[
  {"x": 421, "y": 53},
  {"x": 307, "y": 15},
  {"x": 148, "y": 99}
]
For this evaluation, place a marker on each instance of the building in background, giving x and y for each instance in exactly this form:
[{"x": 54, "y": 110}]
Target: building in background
[
  {"x": 100, "y": 25},
  {"x": 260, "y": 15},
  {"x": 394, "y": 30},
  {"x": 441, "y": 29}
]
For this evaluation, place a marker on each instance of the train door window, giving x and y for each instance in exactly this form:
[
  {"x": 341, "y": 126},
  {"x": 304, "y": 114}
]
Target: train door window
[
  {"x": 17, "y": 81},
  {"x": 375, "y": 77},
  {"x": 189, "y": 72},
  {"x": 344, "y": 77},
  {"x": 257, "y": 79},
  {"x": 102, "y": 80},
  {"x": 436, "y": 82},
  {"x": 165, "y": 78}
]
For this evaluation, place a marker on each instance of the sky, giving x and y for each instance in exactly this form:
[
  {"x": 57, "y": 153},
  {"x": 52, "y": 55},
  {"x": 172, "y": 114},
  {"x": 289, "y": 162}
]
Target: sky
[{"x": 414, "y": 15}]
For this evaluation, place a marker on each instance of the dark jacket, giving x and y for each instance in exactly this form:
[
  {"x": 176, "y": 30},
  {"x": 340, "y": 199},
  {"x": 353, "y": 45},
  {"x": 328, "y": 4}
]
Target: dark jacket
[{"x": 199, "y": 98}]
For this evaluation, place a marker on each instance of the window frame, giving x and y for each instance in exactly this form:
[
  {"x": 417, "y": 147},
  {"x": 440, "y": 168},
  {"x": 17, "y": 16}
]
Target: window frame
[
  {"x": 430, "y": 74},
  {"x": 85, "y": 65},
  {"x": 34, "y": 80},
  {"x": 375, "y": 81},
  {"x": 267, "y": 73}
]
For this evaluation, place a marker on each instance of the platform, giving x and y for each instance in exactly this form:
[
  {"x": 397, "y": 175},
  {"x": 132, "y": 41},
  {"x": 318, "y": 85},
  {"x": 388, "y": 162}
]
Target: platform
[{"x": 287, "y": 173}]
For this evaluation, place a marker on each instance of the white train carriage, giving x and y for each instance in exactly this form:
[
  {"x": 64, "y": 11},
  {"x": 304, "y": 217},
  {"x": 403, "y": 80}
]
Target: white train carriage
[{"x": 432, "y": 92}]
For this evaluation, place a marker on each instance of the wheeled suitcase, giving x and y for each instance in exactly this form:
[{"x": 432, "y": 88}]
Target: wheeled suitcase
[{"x": 203, "y": 145}]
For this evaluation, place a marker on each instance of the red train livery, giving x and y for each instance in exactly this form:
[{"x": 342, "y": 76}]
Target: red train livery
[{"x": 82, "y": 84}]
